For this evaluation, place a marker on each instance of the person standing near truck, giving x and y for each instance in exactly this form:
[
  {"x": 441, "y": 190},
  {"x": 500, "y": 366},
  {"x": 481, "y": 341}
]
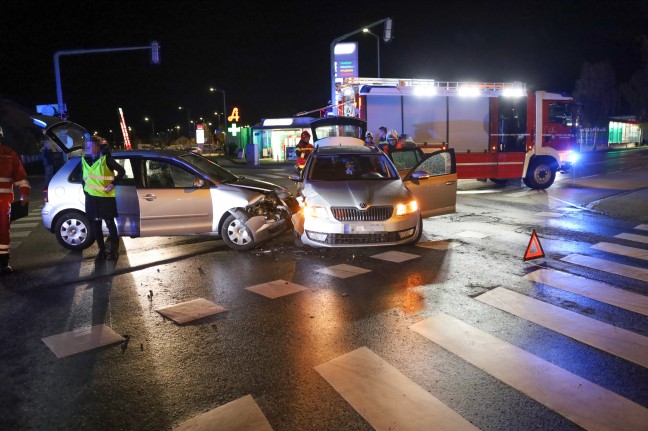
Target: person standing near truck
[{"x": 304, "y": 148}]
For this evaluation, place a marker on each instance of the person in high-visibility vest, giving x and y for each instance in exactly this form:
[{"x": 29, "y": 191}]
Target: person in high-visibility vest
[
  {"x": 99, "y": 182},
  {"x": 12, "y": 174},
  {"x": 303, "y": 148}
]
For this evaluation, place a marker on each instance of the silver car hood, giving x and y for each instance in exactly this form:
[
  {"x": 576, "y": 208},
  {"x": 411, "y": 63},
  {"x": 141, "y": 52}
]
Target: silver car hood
[{"x": 354, "y": 193}]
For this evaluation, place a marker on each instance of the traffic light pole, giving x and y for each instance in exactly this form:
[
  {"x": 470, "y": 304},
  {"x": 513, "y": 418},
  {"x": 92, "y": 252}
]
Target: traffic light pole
[{"x": 155, "y": 59}]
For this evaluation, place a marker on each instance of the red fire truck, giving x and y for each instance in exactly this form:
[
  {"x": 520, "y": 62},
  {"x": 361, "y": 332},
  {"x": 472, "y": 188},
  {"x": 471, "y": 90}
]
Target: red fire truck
[{"x": 499, "y": 131}]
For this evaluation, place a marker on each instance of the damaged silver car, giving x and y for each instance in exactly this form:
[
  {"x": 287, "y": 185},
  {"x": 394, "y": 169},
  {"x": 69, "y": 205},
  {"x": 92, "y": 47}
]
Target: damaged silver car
[{"x": 164, "y": 193}]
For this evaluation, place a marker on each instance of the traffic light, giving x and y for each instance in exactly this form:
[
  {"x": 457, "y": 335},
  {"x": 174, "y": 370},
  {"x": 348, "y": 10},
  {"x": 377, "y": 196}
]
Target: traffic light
[
  {"x": 155, "y": 52},
  {"x": 387, "y": 35}
]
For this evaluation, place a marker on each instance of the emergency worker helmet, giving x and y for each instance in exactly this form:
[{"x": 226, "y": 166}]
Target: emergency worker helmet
[
  {"x": 392, "y": 135},
  {"x": 305, "y": 135}
]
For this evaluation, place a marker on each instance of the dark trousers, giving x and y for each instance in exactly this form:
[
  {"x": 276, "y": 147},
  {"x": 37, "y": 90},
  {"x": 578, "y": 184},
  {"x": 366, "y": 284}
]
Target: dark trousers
[{"x": 98, "y": 232}]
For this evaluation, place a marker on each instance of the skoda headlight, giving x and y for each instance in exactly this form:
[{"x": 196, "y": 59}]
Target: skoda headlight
[
  {"x": 315, "y": 212},
  {"x": 408, "y": 208}
]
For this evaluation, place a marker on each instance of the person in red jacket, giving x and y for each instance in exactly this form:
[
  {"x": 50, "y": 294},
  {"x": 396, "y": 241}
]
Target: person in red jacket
[
  {"x": 303, "y": 149},
  {"x": 12, "y": 174}
]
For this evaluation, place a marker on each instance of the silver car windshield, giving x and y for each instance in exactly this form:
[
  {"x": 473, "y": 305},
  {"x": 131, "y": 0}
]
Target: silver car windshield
[
  {"x": 210, "y": 168},
  {"x": 350, "y": 167}
]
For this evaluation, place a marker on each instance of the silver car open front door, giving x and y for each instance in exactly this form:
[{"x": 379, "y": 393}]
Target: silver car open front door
[
  {"x": 173, "y": 201},
  {"x": 433, "y": 181}
]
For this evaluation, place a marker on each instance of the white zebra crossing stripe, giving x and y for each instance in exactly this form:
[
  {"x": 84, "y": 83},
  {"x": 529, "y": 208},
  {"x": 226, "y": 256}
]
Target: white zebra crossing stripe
[
  {"x": 18, "y": 224},
  {"x": 617, "y": 341},
  {"x": 623, "y": 250},
  {"x": 243, "y": 414},
  {"x": 642, "y": 227},
  {"x": 385, "y": 397},
  {"x": 607, "y": 266},
  {"x": 633, "y": 237},
  {"x": 19, "y": 234},
  {"x": 593, "y": 289},
  {"x": 579, "y": 400}
]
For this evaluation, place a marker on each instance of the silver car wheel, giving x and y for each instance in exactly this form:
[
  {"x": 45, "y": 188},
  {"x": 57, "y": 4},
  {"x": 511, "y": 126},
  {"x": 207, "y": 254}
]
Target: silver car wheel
[
  {"x": 236, "y": 235},
  {"x": 73, "y": 232}
]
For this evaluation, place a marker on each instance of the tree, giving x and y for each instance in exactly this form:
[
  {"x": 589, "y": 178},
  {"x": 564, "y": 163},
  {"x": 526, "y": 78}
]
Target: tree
[{"x": 596, "y": 91}]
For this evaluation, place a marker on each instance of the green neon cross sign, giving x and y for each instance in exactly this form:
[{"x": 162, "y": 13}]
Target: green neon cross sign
[{"x": 233, "y": 129}]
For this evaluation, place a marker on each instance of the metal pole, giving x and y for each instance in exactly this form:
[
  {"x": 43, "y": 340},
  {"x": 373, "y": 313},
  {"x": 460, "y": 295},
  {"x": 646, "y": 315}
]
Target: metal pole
[
  {"x": 57, "y": 70},
  {"x": 378, "y": 48}
]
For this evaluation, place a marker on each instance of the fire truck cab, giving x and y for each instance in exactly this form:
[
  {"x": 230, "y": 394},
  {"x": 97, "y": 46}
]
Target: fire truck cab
[{"x": 499, "y": 131}]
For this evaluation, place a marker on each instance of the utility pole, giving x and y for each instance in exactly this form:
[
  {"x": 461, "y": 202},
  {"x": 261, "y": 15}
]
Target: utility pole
[{"x": 155, "y": 59}]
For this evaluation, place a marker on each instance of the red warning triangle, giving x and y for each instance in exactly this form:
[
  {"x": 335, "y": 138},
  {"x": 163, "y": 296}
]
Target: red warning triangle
[{"x": 534, "y": 249}]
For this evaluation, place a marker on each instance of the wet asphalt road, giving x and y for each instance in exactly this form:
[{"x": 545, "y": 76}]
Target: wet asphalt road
[{"x": 268, "y": 348}]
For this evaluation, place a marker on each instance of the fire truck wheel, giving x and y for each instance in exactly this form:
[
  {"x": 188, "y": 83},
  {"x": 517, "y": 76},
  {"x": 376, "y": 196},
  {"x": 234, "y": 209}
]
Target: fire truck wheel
[{"x": 540, "y": 175}]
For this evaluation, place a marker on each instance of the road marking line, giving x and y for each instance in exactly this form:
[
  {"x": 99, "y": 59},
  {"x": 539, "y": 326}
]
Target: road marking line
[
  {"x": 607, "y": 266},
  {"x": 385, "y": 397},
  {"x": 238, "y": 415},
  {"x": 19, "y": 224},
  {"x": 617, "y": 341},
  {"x": 579, "y": 400},
  {"x": 19, "y": 234},
  {"x": 191, "y": 310},
  {"x": 642, "y": 227},
  {"x": 477, "y": 192},
  {"x": 633, "y": 237},
  {"x": 81, "y": 340},
  {"x": 593, "y": 289},
  {"x": 591, "y": 176},
  {"x": 33, "y": 217},
  {"x": 343, "y": 270},
  {"x": 472, "y": 234},
  {"x": 439, "y": 245},
  {"x": 638, "y": 253},
  {"x": 275, "y": 289},
  {"x": 548, "y": 214},
  {"x": 395, "y": 256},
  {"x": 520, "y": 194}
]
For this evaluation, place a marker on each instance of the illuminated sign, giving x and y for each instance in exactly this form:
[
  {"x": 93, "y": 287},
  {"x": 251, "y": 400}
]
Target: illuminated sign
[
  {"x": 278, "y": 122},
  {"x": 234, "y": 116},
  {"x": 346, "y": 61},
  {"x": 124, "y": 129},
  {"x": 200, "y": 134},
  {"x": 233, "y": 129}
]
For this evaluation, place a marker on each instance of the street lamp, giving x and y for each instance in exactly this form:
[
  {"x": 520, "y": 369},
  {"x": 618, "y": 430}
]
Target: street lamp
[
  {"x": 180, "y": 108},
  {"x": 147, "y": 119},
  {"x": 366, "y": 30},
  {"x": 212, "y": 89}
]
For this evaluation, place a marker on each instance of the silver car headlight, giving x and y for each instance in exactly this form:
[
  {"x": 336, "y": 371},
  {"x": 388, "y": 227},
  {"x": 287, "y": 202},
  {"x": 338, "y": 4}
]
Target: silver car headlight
[
  {"x": 408, "y": 208},
  {"x": 315, "y": 212}
]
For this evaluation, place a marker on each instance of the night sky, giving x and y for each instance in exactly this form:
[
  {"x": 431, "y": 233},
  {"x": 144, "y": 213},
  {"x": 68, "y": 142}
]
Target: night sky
[{"x": 272, "y": 57}]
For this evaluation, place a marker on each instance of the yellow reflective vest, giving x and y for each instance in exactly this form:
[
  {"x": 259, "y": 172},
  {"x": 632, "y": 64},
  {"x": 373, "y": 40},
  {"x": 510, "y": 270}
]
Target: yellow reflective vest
[{"x": 97, "y": 177}]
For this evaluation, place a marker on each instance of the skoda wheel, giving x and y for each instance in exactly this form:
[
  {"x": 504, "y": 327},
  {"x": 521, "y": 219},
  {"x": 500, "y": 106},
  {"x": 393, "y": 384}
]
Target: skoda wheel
[
  {"x": 73, "y": 231},
  {"x": 236, "y": 235}
]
